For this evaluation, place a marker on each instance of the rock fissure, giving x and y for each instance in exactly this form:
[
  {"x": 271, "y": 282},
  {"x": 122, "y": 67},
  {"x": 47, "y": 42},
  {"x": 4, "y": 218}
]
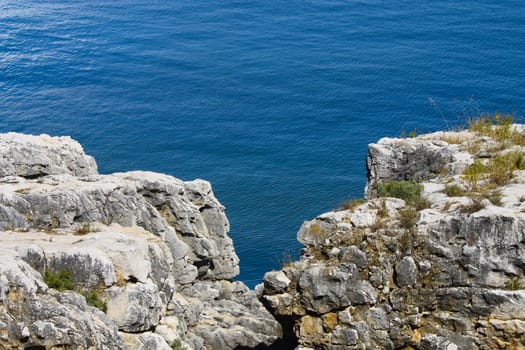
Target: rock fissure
[
  {"x": 434, "y": 264},
  {"x": 445, "y": 275},
  {"x": 133, "y": 263}
]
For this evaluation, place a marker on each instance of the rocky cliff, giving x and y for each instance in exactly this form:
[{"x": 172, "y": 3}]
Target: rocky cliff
[
  {"x": 433, "y": 259},
  {"x": 134, "y": 260}
]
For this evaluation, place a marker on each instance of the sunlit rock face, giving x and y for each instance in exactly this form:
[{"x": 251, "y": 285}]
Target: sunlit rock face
[
  {"x": 135, "y": 260},
  {"x": 442, "y": 269}
]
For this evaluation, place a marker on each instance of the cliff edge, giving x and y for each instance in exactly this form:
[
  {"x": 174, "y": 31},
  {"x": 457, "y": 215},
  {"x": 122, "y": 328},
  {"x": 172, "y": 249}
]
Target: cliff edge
[
  {"x": 433, "y": 259},
  {"x": 134, "y": 260}
]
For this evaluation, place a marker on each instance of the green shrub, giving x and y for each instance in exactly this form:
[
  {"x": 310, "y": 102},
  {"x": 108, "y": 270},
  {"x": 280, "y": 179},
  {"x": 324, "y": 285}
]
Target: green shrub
[
  {"x": 513, "y": 283},
  {"x": 408, "y": 218},
  {"x": 61, "y": 280},
  {"x": 409, "y": 191},
  {"x": 454, "y": 190},
  {"x": 176, "y": 345},
  {"x": 93, "y": 299}
]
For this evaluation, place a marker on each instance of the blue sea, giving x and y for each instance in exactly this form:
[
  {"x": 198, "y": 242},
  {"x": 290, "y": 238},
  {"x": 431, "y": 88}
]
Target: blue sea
[{"x": 274, "y": 102}]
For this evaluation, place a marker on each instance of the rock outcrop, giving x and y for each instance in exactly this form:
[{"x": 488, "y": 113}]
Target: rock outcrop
[
  {"x": 151, "y": 251},
  {"x": 439, "y": 267}
]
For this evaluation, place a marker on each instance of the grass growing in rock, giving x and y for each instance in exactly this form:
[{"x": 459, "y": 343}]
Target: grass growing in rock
[
  {"x": 85, "y": 228},
  {"x": 176, "y": 345},
  {"x": 484, "y": 176},
  {"x": 513, "y": 283},
  {"x": 454, "y": 190},
  {"x": 409, "y": 191},
  {"x": 63, "y": 280},
  {"x": 93, "y": 298},
  {"x": 475, "y": 205},
  {"x": 352, "y": 204},
  {"x": 408, "y": 218},
  {"x": 498, "y": 127}
]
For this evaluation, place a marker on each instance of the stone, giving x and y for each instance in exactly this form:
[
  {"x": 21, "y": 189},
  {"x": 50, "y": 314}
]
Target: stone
[
  {"x": 453, "y": 280},
  {"x": 31, "y": 156},
  {"x": 406, "y": 272},
  {"x": 154, "y": 250},
  {"x": 135, "y": 307},
  {"x": 276, "y": 281}
]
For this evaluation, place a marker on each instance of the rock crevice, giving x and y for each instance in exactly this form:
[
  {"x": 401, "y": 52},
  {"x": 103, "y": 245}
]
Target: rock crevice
[
  {"x": 150, "y": 250},
  {"x": 439, "y": 267}
]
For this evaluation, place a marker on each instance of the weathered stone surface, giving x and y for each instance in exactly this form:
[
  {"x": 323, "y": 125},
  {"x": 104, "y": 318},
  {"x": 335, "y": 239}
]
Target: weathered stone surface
[
  {"x": 31, "y": 156},
  {"x": 406, "y": 272},
  {"x": 32, "y": 314},
  {"x": 384, "y": 275},
  {"x": 153, "y": 248},
  {"x": 148, "y": 340},
  {"x": 211, "y": 306},
  {"x": 135, "y": 307},
  {"x": 276, "y": 281},
  {"x": 412, "y": 158}
]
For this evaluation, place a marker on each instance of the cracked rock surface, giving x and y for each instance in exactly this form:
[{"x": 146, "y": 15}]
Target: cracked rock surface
[
  {"x": 388, "y": 273},
  {"x": 154, "y": 249}
]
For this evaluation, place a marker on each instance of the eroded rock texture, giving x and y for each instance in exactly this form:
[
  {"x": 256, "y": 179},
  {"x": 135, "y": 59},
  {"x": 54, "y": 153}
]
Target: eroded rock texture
[
  {"x": 443, "y": 273},
  {"x": 154, "y": 248}
]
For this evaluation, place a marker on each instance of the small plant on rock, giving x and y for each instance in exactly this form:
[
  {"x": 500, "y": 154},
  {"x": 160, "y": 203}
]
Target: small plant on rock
[
  {"x": 475, "y": 173},
  {"x": 85, "y": 228},
  {"x": 493, "y": 196},
  {"x": 93, "y": 298},
  {"x": 513, "y": 283},
  {"x": 61, "y": 280},
  {"x": 409, "y": 191},
  {"x": 408, "y": 218},
  {"x": 176, "y": 345},
  {"x": 499, "y": 128},
  {"x": 454, "y": 190},
  {"x": 475, "y": 205},
  {"x": 352, "y": 204}
]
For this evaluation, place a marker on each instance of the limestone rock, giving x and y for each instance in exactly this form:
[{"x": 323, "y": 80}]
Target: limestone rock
[
  {"x": 276, "y": 281},
  {"x": 411, "y": 159},
  {"x": 32, "y": 314},
  {"x": 150, "y": 249},
  {"x": 31, "y": 156},
  {"x": 394, "y": 274},
  {"x": 406, "y": 272}
]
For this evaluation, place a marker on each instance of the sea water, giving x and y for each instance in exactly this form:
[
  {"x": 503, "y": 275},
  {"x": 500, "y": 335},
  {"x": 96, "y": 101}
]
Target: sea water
[{"x": 274, "y": 102}]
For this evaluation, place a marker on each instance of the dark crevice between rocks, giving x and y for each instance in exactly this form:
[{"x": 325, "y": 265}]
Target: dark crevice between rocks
[
  {"x": 34, "y": 347},
  {"x": 289, "y": 339},
  {"x": 203, "y": 266},
  {"x": 151, "y": 329},
  {"x": 34, "y": 176},
  {"x": 132, "y": 279},
  {"x": 204, "y": 207}
]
